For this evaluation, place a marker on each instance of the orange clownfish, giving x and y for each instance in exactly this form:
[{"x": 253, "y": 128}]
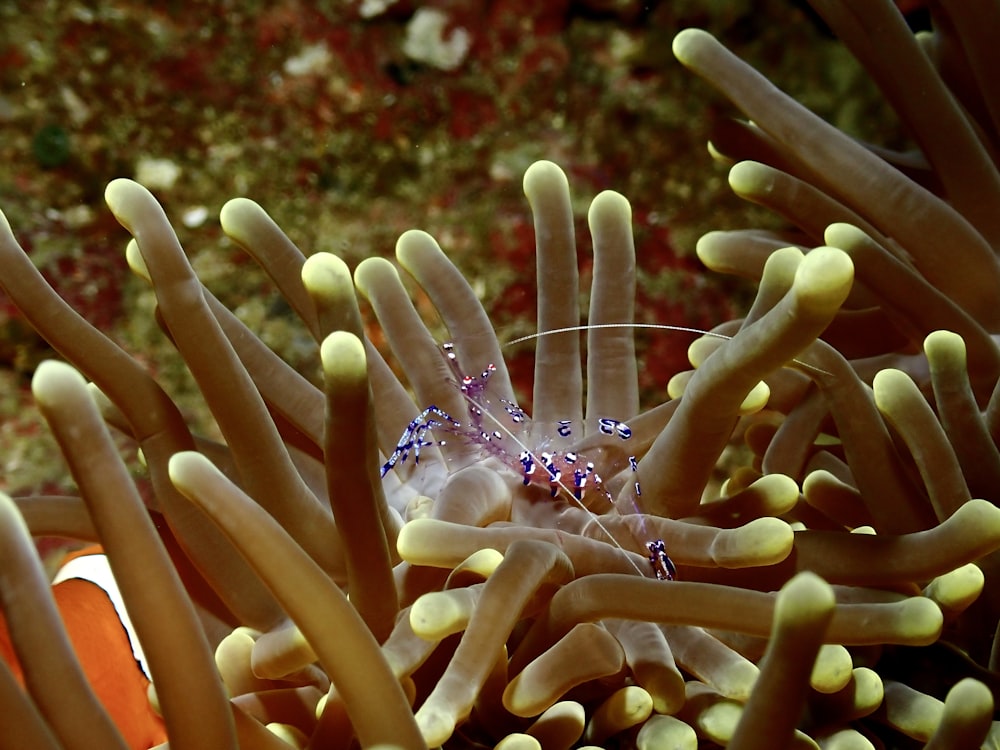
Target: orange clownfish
[{"x": 98, "y": 626}]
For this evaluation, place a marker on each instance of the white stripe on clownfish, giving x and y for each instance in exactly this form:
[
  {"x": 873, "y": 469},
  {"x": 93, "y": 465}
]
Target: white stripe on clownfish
[{"x": 96, "y": 569}]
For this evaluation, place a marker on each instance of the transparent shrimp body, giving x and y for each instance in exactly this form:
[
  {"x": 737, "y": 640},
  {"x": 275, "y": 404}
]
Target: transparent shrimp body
[{"x": 501, "y": 430}]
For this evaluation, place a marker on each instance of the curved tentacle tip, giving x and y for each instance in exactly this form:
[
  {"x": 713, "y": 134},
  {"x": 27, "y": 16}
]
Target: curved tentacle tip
[
  {"x": 945, "y": 344},
  {"x": 762, "y": 541},
  {"x": 749, "y": 178},
  {"x": 678, "y": 383},
  {"x": 480, "y": 565},
  {"x": 707, "y": 248},
  {"x": 755, "y": 400},
  {"x": 627, "y": 707},
  {"x": 235, "y": 213},
  {"x": 369, "y": 275},
  {"x": 414, "y": 244},
  {"x": 666, "y": 731},
  {"x": 889, "y": 382},
  {"x": 824, "y": 278},
  {"x": 541, "y": 176},
  {"x": 845, "y": 236},
  {"x": 327, "y": 275},
  {"x": 187, "y": 470},
  {"x": 435, "y": 726},
  {"x": 344, "y": 361},
  {"x": 687, "y": 43},
  {"x": 954, "y": 591},
  {"x": 805, "y": 598},
  {"x": 833, "y": 669},
  {"x": 438, "y": 614},
  {"x": 717, "y": 156},
  {"x": 56, "y": 383},
  {"x": 918, "y": 621},
  {"x": 784, "y": 262},
  {"x": 968, "y": 713},
  {"x": 411, "y": 544},
  {"x": 896, "y": 394},
  {"x": 609, "y": 206},
  {"x": 135, "y": 261},
  {"x": 122, "y": 192}
]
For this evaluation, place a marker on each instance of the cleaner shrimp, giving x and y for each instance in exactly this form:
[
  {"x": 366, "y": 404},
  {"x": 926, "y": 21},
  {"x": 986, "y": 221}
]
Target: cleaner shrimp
[
  {"x": 569, "y": 473},
  {"x": 563, "y": 472}
]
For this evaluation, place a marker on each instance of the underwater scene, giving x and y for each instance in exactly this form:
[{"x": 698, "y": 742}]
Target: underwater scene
[{"x": 499, "y": 374}]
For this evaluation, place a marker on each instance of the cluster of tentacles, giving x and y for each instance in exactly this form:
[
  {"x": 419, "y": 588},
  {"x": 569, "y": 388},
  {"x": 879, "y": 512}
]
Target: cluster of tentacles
[{"x": 840, "y": 590}]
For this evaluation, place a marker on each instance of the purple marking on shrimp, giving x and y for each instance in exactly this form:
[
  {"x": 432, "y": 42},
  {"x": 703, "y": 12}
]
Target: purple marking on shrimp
[
  {"x": 663, "y": 566},
  {"x": 634, "y": 465},
  {"x": 610, "y": 426},
  {"x": 413, "y": 437}
]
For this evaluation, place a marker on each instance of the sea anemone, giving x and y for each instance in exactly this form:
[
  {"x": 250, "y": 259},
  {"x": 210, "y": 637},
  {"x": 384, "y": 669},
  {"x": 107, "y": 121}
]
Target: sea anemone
[
  {"x": 565, "y": 634},
  {"x": 919, "y": 227},
  {"x": 920, "y": 324},
  {"x": 466, "y": 595}
]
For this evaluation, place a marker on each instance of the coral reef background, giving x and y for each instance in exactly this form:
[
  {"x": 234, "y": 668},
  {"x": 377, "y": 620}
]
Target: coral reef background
[{"x": 330, "y": 117}]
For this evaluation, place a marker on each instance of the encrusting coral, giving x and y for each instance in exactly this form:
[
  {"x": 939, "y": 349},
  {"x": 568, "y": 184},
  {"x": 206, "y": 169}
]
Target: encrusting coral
[{"x": 838, "y": 591}]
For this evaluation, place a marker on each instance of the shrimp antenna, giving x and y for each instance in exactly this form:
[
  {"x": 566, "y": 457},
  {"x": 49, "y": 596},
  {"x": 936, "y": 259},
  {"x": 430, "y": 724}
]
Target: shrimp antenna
[
  {"x": 599, "y": 326},
  {"x": 653, "y": 326}
]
